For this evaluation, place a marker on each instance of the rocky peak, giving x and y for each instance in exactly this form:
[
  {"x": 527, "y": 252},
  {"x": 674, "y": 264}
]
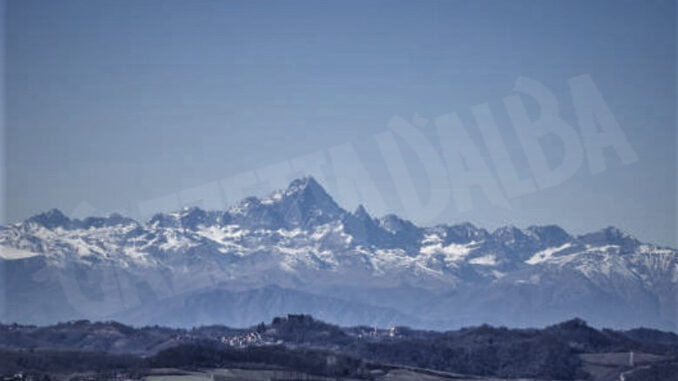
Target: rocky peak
[
  {"x": 52, "y": 219},
  {"x": 610, "y": 236}
]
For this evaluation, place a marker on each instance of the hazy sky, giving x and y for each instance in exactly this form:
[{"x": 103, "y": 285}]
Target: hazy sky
[{"x": 113, "y": 103}]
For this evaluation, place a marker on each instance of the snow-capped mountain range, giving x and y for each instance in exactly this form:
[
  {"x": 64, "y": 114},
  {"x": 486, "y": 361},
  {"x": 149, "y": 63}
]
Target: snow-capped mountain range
[{"x": 298, "y": 251}]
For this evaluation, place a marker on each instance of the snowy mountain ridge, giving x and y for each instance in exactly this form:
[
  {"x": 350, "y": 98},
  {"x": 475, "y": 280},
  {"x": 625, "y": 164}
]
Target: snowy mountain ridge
[{"x": 300, "y": 239}]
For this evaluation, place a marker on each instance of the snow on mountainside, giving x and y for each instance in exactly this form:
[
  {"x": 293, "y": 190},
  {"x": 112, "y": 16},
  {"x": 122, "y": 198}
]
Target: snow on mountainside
[{"x": 300, "y": 239}]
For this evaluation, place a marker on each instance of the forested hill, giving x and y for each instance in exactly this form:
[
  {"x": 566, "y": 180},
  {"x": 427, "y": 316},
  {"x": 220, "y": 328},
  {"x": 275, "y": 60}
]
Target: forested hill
[{"x": 569, "y": 350}]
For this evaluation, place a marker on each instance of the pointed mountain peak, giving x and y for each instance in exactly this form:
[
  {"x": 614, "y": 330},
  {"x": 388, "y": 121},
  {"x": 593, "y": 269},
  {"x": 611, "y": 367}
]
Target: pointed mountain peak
[
  {"x": 303, "y": 203},
  {"x": 361, "y": 213},
  {"x": 303, "y": 182},
  {"x": 610, "y": 235},
  {"x": 512, "y": 237},
  {"x": 465, "y": 225},
  {"x": 118, "y": 219},
  {"x": 191, "y": 210},
  {"x": 248, "y": 203},
  {"x": 395, "y": 224},
  {"x": 162, "y": 220},
  {"x": 508, "y": 231},
  {"x": 306, "y": 202},
  {"x": 309, "y": 192},
  {"x": 53, "y": 213},
  {"x": 551, "y": 235},
  {"x": 465, "y": 228},
  {"x": 306, "y": 184},
  {"x": 193, "y": 216},
  {"x": 613, "y": 231},
  {"x": 546, "y": 229},
  {"x": 51, "y": 219},
  {"x": 187, "y": 217},
  {"x": 464, "y": 232},
  {"x": 113, "y": 219},
  {"x": 298, "y": 188}
]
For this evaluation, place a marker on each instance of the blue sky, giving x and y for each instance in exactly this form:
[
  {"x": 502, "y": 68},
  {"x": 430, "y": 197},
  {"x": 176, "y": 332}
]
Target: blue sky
[{"x": 112, "y": 103}]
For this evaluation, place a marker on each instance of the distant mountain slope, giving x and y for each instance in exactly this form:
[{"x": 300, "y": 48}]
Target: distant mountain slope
[
  {"x": 241, "y": 308},
  {"x": 194, "y": 266}
]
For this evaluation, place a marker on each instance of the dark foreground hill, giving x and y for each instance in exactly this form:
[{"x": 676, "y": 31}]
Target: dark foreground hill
[{"x": 301, "y": 345}]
